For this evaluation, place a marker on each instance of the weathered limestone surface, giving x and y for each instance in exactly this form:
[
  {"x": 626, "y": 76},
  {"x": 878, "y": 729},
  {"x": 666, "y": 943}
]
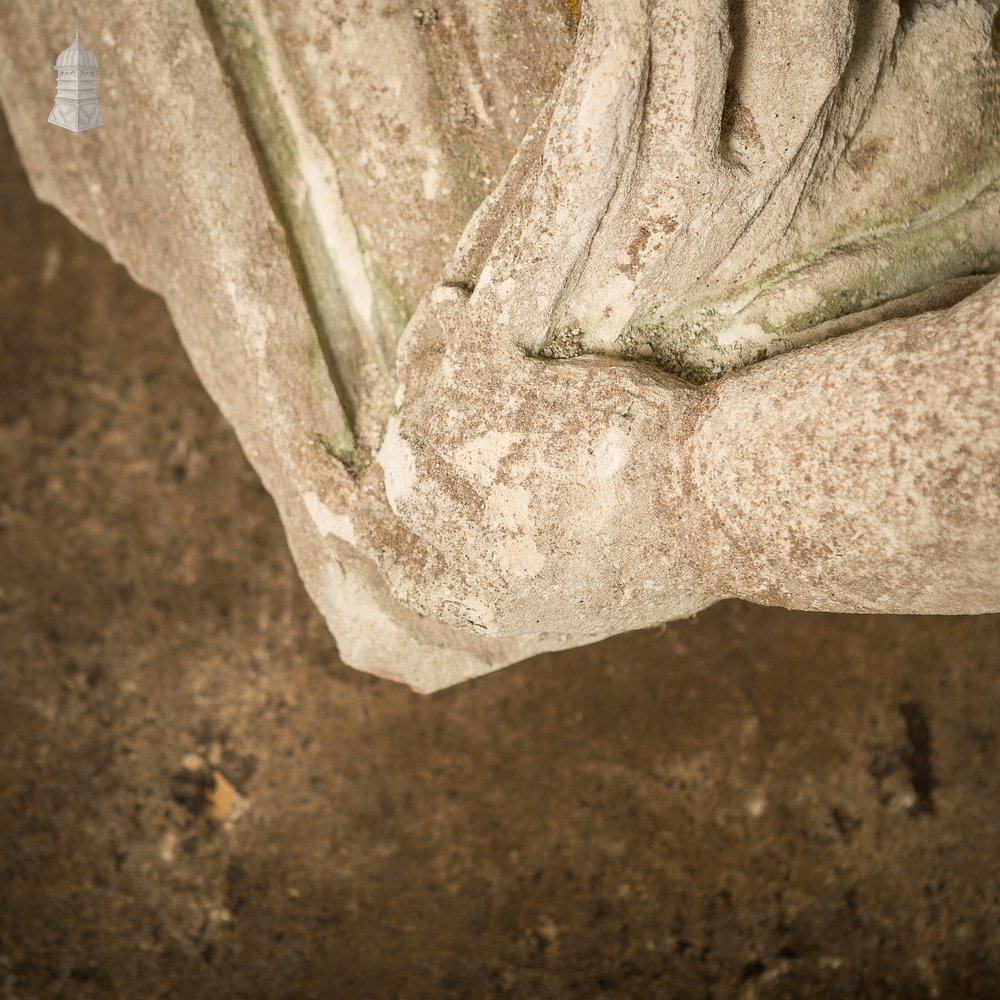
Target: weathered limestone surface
[{"x": 557, "y": 431}]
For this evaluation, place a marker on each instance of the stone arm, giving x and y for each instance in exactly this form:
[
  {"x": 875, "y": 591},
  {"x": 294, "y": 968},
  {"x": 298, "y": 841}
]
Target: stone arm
[
  {"x": 860, "y": 474},
  {"x": 588, "y": 495}
]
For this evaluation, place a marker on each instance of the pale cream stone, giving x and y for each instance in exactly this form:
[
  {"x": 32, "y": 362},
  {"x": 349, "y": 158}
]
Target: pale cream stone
[{"x": 724, "y": 325}]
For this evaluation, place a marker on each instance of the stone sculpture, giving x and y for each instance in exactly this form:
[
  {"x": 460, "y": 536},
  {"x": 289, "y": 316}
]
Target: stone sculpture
[{"x": 725, "y": 324}]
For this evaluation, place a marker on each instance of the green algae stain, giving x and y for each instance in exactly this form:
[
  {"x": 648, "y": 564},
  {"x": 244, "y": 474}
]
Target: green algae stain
[{"x": 348, "y": 356}]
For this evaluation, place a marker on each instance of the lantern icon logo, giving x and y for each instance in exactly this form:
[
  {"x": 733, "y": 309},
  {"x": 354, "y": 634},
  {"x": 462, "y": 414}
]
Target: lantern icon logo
[{"x": 76, "y": 106}]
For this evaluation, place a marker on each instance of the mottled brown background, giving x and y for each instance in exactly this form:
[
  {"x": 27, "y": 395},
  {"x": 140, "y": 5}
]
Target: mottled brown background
[{"x": 755, "y": 803}]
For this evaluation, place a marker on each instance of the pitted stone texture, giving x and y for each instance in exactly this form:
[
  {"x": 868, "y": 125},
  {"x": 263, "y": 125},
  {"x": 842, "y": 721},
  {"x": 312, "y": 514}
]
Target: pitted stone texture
[
  {"x": 175, "y": 192},
  {"x": 515, "y": 502}
]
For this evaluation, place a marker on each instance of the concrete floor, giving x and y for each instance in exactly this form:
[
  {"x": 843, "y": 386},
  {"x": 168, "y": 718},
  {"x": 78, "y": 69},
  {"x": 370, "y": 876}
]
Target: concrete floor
[{"x": 197, "y": 800}]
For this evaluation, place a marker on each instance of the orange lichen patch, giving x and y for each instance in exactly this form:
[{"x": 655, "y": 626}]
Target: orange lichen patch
[
  {"x": 575, "y": 7},
  {"x": 219, "y": 797}
]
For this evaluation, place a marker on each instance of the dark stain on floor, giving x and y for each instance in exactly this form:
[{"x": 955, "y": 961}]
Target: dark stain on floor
[
  {"x": 919, "y": 756},
  {"x": 198, "y": 800}
]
